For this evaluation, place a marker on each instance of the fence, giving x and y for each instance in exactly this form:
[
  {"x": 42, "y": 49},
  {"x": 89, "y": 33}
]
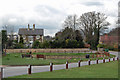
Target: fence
[{"x": 67, "y": 65}]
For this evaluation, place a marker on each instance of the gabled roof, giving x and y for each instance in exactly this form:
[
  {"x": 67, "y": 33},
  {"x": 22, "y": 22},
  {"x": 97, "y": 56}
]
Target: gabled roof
[{"x": 30, "y": 32}]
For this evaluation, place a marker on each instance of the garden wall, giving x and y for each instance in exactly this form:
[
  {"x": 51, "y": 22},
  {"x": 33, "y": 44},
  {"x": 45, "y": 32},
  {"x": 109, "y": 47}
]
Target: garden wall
[
  {"x": 78, "y": 50},
  {"x": 62, "y": 57}
]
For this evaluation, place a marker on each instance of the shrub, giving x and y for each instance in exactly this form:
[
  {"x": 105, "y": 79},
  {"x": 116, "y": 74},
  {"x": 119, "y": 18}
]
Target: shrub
[
  {"x": 36, "y": 44},
  {"x": 101, "y": 46},
  {"x": 16, "y": 56}
]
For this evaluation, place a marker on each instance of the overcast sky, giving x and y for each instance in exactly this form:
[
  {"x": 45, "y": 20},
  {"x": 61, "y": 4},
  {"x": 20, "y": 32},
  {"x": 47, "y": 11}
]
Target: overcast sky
[{"x": 50, "y": 14}]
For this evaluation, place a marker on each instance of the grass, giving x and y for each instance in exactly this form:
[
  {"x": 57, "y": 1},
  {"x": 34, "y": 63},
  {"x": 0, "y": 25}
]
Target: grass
[
  {"x": 15, "y": 59},
  {"x": 107, "y": 70}
]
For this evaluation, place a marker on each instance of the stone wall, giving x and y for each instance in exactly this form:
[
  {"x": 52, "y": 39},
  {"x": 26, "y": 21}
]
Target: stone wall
[
  {"x": 62, "y": 57},
  {"x": 78, "y": 50}
]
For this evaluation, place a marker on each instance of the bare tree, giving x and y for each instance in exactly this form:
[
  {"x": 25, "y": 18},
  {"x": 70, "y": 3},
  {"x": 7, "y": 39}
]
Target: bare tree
[
  {"x": 72, "y": 23},
  {"x": 91, "y": 24}
]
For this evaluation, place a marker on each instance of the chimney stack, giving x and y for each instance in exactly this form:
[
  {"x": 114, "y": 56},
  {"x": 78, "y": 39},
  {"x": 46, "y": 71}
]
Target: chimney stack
[
  {"x": 33, "y": 26},
  {"x": 28, "y": 27}
]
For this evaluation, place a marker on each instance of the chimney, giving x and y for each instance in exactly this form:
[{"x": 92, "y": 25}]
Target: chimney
[
  {"x": 33, "y": 26},
  {"x": 28, "y": 27}
]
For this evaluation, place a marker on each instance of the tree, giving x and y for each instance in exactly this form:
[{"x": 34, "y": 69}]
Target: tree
[
  {"x": 67, "y": 33},
  {"x": 45, "y": 44},
  {"x": 115, "y": 32},
  {"x": 4, "y": 39},
  {"x": 36, "y": 44},
  {"x": 21, "y": 40},
  {"x": 78, "y": 35},
  {"x": 92, "y": 24},
  {"x": 71, "y": 23}
]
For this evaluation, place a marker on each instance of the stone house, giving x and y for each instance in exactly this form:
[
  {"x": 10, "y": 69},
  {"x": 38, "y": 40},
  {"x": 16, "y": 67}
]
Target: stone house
[{"x": 31, "y": 34}]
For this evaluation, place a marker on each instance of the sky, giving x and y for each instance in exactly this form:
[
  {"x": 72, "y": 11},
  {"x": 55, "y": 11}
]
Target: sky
[{"x": 50, "y": 14}]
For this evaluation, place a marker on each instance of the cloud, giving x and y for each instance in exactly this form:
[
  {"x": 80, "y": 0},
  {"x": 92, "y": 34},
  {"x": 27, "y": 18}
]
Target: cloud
[
  {"x": 49, "y": 14},
  {"x": 93, "y": 3}
]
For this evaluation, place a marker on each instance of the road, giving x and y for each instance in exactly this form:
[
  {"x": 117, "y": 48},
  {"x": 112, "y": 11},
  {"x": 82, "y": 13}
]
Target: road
[{"x": 20, "y": 70}]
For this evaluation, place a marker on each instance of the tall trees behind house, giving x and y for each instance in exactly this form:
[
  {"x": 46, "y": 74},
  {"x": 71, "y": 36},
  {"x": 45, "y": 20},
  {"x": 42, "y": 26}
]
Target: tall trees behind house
[
  {"x": 69, "y": 33},
  {"x": 91, "y": 24},
  {"x": 71, "y": 23},
  {"x": 115, "y": 32}
]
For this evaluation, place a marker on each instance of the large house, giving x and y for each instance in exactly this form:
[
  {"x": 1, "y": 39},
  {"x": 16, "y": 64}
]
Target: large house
[
  {"x": 31, "y": 34},
  {"x": 109, "y": 39}
]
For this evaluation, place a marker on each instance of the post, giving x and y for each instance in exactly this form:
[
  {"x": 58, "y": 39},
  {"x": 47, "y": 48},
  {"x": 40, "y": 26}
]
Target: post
[
  {"x": 103, "y": 60},
  {"x": 51, "y": 67},
  {"x": 1, "y": 73},
  {"x": 89, "y": 62},
  {"x": 67, "y": 65},
  {"x": 109, "y": 59},
  {"x": 79, "y": 63},
  {"x": 118, "y": 58},
  {"x": 109, "y": 54},
  {"x": 113, "y": 59},
  {"x": 5, "y": 49},
  {"x": 97, "y": 61},
  {"x": 29, "y": 69}
]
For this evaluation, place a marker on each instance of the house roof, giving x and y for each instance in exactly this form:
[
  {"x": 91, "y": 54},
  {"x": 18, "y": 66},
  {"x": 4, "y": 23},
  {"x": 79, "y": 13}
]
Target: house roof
[{"x": 30, "y": 32}]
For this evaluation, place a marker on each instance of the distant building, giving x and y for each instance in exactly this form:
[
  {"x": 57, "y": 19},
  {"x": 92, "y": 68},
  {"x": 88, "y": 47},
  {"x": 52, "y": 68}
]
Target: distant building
[
  {"x": 31, "y": 34},
  {"x": 109, "y": 40},
  {"x": 47, "y": 38},
  {"x": 12, "y": 37}
]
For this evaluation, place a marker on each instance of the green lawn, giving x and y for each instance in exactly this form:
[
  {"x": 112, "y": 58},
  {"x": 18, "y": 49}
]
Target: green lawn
[
  {"x": 107, "y": 70},
  {"x": 15, "y": 59}
]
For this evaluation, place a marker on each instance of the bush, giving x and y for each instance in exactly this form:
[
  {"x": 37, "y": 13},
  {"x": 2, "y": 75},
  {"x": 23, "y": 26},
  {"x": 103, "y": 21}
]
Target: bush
[
  {"x": 19, "y": 45},
  {"x": 16, "y": 56},
  {"x": 45, "y": 44},
  {"x": 110, "y": 47},
  {"x": 101, "y": 46},
  {"x": 36, "y": 44}
]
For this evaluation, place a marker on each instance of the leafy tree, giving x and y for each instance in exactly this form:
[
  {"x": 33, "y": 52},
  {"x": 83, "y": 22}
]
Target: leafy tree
[
  {"x": 45, "y": 44},
  {"x": 36, "y": 44},
  {"x": 19, "y": 45},
  {"x": 78, "y": 35},
  {"x": 4, "y": 38}
]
